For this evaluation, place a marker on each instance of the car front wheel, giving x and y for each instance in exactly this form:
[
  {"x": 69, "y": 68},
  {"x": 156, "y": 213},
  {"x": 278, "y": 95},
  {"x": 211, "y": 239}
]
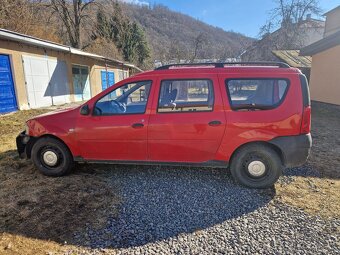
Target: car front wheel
[
  {"x": 52, "y": 157},
  {"x": 256, "y": 166}
]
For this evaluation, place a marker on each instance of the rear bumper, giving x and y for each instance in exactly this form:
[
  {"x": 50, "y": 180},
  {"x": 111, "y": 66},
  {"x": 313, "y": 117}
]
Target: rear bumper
[
  {"x": 22, "y": 141},
  {"x": 295, "y": 149}
]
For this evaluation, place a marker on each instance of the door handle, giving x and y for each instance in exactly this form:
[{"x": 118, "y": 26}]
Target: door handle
[
  {"x": 215, "y": 123},
  {"x": 137, "y": 125}
]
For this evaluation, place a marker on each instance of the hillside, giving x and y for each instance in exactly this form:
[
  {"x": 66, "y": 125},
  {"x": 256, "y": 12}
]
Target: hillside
[
  {"x": 174, "y": 35},
  {"x": 170, "y": 35}
]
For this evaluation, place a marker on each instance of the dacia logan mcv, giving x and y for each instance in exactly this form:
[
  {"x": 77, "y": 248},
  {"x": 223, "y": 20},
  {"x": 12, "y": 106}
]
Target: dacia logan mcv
[{"x": 253, "y": 118}]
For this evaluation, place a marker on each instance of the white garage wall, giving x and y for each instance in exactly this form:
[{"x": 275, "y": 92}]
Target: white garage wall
[{"x": 46, "y": 81}]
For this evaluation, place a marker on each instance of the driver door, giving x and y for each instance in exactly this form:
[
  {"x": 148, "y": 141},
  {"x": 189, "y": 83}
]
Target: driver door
[{"x": 117, "y": 128}]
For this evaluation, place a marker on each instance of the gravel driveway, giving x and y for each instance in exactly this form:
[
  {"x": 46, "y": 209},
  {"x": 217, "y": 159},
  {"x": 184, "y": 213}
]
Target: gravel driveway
[{"x": 171, "y": 210}]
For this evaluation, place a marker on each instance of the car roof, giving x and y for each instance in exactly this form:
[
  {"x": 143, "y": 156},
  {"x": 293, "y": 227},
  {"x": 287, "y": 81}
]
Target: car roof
[{"x": 224, "y": 70}]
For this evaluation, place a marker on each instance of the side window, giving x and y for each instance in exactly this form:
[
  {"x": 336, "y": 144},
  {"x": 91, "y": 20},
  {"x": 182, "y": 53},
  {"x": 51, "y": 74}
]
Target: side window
[
  {"x": 186, "y": 96},
  {"x": 256, "y": 94},
  {"x": 128, "y": 99}
]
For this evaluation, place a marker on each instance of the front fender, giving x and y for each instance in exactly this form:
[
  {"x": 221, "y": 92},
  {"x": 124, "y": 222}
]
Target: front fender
[{"x": 61, "y": 127}]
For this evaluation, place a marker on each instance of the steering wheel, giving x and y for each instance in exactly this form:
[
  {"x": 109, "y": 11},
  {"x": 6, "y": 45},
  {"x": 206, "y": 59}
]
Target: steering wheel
[{"x": 120, "y": 106}]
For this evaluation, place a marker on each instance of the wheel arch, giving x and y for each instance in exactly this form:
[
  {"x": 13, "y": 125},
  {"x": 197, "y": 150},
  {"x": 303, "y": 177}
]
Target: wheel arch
[
  {"x": 33, "y": 140},
  {"x": 268, "y": 144}
]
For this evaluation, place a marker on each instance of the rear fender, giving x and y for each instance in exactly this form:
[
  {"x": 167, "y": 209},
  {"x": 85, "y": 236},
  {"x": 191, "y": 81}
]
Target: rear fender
[{"x": 234, "y": 141}]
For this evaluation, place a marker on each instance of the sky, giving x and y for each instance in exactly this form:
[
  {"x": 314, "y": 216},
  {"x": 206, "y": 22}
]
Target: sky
[{"x": 243, "y": 16}]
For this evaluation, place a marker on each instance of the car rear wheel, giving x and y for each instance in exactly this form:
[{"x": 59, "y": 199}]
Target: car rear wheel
[
  {"x": 256, "y": 166},
  {"x": 52, "y": 157}
]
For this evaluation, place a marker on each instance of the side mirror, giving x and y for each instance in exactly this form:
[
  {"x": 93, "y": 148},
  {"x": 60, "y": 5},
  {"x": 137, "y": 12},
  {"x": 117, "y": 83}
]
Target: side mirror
[{"x": 85, "y": 110}]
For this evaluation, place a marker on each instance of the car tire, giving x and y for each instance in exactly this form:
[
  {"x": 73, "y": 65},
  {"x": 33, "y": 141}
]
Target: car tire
[
  {"x": 52, "y": 157},
  {"x": 256, "y": 166}
]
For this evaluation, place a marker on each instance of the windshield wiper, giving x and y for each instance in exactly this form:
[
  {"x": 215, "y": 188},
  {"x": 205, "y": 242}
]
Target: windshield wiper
[{"x": 252, "y": 106}]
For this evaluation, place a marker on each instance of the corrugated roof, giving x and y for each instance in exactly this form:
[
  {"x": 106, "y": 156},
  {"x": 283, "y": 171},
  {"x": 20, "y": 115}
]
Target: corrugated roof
[
  {"x": 293, "y": 58},
  {"x": 30, "y": 40},
  {"x": 321, "y": 45}
]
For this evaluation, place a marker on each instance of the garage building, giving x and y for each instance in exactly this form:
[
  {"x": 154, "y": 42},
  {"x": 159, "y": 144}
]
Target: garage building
[
  {"x": 35, "y": 73},
  {"x": 325, "y": 73}
]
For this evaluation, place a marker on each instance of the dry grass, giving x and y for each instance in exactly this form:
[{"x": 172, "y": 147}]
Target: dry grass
[
  {"x": 313, "y": 195},
  {"x": 11, "y": 125},
  {"x": 20, "y": 245},
  {"x": 35, "y": 207},
  {"x": 319, "y": 196}
]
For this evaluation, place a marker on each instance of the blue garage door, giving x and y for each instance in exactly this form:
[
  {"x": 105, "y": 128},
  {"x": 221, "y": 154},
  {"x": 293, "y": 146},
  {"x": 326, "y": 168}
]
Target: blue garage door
[
  {"x": 108, "y": 79},
  {"x": 8, "y": 102}
]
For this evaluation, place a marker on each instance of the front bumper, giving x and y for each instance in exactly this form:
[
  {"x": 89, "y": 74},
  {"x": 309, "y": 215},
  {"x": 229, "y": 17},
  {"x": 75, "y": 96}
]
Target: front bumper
[
  {"x": 295, "y": 149},
  {"x": 22, "y": 140}
]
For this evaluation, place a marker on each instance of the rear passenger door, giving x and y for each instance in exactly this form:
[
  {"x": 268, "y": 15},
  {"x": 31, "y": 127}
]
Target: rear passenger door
[
  {"x": 187, "y": 121},
  {"x": 259, "y": 106}
]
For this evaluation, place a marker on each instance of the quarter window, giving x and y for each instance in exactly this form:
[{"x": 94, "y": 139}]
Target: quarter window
[
  {"x": 186, "y": 96},
  {"x": 256, "y": 94}
]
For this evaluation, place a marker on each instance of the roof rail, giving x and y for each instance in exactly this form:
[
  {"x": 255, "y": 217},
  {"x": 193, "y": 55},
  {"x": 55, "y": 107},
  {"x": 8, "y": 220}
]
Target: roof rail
[{"x": 222, "y": 64}]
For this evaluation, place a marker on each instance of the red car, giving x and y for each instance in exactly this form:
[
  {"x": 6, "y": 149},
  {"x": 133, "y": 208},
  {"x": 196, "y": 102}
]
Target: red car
[{"x": 254, "y": 118}]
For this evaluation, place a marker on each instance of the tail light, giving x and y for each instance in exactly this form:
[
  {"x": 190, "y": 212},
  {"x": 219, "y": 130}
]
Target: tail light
[
  {"x": 306, "y": 120},
  {"x": 306, "y": 115}
]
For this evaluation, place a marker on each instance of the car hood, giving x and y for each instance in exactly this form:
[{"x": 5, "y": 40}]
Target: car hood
[{"x": 57, "y": 112}]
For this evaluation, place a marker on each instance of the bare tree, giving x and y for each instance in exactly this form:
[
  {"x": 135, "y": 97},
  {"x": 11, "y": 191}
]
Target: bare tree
[
  {"x": 176, "y": 52},
  {"x": 199, "y": 42},
  {"x": 286, "y": 29},
  {"x": 288, "y": 15},
  {"x": 72, "y": 14},
  {"x": 293, "y": 11},
  {"x": 28, "y": 17}
]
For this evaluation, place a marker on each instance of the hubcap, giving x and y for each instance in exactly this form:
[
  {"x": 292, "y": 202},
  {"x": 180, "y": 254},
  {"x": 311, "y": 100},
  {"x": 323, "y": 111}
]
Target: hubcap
[
  {"x": 256, "y": 168},
  {"x": 50, "y": 158}
]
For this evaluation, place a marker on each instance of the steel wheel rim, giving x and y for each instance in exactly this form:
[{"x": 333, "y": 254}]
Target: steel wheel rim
[
  {"x": 51, "y": 157},
  {"x": 256, "y": 168}
]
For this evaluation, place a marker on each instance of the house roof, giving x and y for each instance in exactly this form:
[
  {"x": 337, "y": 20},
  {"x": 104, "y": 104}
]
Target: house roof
[
  {"x": 30, "y": 40},
  {"x": 334, "y": 9},
  {"x": 321, "y": 45},
  {"x": 292, "y": 58}
]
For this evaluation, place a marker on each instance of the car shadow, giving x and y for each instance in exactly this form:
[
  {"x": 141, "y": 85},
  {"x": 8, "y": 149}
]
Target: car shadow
[{"x": 164, "y": 202}]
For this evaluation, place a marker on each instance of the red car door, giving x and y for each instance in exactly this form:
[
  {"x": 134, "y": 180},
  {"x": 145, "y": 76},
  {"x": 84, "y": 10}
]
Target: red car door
[
  {"x": 117, "y": 127},
  {"x": 187, "y": 121}
]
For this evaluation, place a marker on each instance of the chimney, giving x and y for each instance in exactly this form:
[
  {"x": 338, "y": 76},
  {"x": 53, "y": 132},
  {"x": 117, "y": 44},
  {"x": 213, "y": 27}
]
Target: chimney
[{"x": 309, "y": 16}]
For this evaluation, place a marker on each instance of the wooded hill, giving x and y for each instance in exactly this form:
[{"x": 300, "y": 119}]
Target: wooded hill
[
  {"x": 173, "y": 35},
  {"x": 133, "y": 33}
]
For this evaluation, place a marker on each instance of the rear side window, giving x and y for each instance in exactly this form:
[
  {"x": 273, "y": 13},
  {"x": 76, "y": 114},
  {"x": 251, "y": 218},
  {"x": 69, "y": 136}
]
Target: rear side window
[
  {"x": 186, "y": 96},
  {"x": 256, "y": 94}
]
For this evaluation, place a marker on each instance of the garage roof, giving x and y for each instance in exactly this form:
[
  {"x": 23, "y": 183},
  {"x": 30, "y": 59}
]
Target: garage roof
[
  {"x": 30, "y": 40},
  {"x": 292, "y": 58}
]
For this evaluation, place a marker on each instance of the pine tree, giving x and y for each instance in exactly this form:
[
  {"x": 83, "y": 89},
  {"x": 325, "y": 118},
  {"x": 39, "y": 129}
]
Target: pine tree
[{"x": 128, "y": 36}]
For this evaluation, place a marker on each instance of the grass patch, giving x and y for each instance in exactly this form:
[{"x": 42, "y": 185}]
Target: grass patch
[
  {"x": 39, "y": 213},
  {"x": 20, "y": 245},
  {"x": 313, "y": 195}
]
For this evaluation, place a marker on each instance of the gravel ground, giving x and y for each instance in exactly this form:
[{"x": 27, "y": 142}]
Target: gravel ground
[{"x": 202, "y": 211}]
